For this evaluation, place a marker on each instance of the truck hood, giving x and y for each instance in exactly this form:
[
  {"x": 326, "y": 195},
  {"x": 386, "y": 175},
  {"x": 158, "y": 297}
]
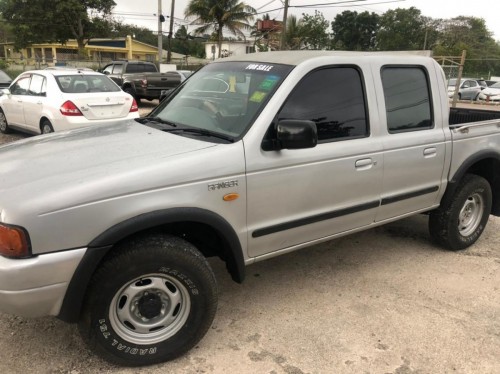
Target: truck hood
[{"x": 90, "y": 163}]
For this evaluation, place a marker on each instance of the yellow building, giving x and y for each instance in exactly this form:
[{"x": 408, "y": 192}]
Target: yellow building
[{"x": 96, "y": 51}]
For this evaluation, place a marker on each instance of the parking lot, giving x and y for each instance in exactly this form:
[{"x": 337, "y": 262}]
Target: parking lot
[{"x": 385, "y": 300}]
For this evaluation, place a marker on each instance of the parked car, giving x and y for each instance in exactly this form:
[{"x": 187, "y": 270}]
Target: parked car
[
  {"x": 469, "y": 89},
  {"x": 492, "y": 93},
  {"x": 43, "y": 101},
  {"x": 253, "y": 157},
  {"x": 141, "y": 79},
  {"x": 5, "y": 80}
]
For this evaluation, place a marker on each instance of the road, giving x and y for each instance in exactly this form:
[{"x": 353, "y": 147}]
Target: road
[{"x": 382, "y": 301}]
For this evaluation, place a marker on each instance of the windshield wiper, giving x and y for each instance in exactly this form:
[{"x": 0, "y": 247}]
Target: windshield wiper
[
  {"x": 148, "y": 120},
  {"x": 203, "y": 132}
]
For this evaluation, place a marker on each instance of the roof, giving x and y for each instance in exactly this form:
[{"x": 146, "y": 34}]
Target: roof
[
  {"x": 65, "y": 71},
  {"x": 297, "y": 57}
]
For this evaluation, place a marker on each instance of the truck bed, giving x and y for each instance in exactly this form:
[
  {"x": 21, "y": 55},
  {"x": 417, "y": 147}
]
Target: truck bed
[{"x": 460, "y": 116}]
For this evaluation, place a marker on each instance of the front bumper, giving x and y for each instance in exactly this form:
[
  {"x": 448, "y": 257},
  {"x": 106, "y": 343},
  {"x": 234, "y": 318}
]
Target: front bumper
[{"x": 36, "y": 286}]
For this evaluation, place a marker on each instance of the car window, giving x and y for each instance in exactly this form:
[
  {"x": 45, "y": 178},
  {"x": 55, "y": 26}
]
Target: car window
[
  {"x": 86, "y": 83},
  {"x": 407, "y": 99},
  {"x": 37, "y": 85},
  {"x": 133, "y": 68},
  {"x": 21, "y": 86},
  {"x": 466, "y": 84},
  {"x": 334, "y": 99},
  {"x": 108, "y": 69},
  {"x": 117, "y": 68},
  {"x": 148, "y": 68}
]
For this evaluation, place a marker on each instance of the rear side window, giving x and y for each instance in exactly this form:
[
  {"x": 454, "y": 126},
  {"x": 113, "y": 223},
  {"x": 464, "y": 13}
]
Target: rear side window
[
  {"x": 407, "y": 99},
  {"x": 334, "y": 99},
  {"x": 86, "y": 83}
]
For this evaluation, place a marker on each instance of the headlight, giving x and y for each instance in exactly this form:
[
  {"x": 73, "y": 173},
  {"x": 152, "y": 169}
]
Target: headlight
[{"x": 14, "y": 241}]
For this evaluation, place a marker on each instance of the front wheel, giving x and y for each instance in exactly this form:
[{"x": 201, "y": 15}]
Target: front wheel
[
  {"x": 4, "y": 126},
  {"x": 461, "y": 218},
  {"x": 150, "y": 302}
]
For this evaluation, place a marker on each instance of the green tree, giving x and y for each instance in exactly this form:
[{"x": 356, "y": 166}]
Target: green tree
[
  {"x": 220, "y": 15},
  {"x": 293, "y": 32},
  {"x": 57, "y": 20},
  {"x": 402, "y": 30},
  {"x": 353, "y": 31},
  {"x": 313, "y": 31},
  {"x": 470, "y": 34}
]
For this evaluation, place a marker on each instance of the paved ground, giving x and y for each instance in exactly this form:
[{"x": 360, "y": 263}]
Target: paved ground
[{"x": 382, "y": 301}]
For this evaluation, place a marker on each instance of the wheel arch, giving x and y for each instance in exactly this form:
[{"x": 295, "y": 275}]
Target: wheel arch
[
  {"x": 192, "y": 224},
  {"x": 485, "y": 164}
]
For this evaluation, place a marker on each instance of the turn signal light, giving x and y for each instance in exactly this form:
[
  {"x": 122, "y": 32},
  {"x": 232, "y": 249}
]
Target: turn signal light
[{"x": 14, "y": 242}]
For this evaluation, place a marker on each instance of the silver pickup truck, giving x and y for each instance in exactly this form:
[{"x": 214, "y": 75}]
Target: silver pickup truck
[{"x": 256, "y": 156}]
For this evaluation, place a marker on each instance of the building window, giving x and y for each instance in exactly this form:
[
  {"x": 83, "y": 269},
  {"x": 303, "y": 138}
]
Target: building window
[{"x": 250, "y": 49}]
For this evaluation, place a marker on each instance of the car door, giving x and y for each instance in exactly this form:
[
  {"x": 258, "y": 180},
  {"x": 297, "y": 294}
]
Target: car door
[
  {"x": 414, "y": 142},
  {"x": 300, "y": 196},
  {"x": 34, "y": 102},
  {"x": 13, "y": 104}
]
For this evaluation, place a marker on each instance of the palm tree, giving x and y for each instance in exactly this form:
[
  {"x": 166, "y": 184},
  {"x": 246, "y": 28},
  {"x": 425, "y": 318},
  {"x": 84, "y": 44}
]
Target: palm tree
[{"x": 216, "y": 15}]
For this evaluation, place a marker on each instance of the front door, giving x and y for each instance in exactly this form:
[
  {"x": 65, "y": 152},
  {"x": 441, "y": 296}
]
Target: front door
[{"x": 299, "y": 196}]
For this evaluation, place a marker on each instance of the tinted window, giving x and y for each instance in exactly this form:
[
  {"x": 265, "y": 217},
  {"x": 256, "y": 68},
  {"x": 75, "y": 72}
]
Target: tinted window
[
  {"x": 149, "y": 68},
  {"x": 334, "y": 99},
  {"x": 133, "y": 68},
  {"x": 407, "y": 99},
  {"x": 37, "y": 85}
]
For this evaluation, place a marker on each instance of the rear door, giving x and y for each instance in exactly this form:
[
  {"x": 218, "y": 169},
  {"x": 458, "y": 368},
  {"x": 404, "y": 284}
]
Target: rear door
[
  {"x": 414, "y": 141},
  {"x": 35, "y": 101}
]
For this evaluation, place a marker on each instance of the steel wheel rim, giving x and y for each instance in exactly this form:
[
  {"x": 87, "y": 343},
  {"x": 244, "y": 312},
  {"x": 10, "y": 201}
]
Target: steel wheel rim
[
  {"x": 471, "y": 214},
  {"x": 3, "y": 122},
  {"x": 150, "y": 309}
]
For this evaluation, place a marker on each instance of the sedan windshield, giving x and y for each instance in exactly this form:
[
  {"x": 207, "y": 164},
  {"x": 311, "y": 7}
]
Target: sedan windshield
[{"x": 223, "y": 98}]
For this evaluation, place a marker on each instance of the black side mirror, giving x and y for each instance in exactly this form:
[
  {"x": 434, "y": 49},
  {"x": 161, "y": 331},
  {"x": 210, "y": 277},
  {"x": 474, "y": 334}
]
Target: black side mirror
[{"x": 296, "y": 134}]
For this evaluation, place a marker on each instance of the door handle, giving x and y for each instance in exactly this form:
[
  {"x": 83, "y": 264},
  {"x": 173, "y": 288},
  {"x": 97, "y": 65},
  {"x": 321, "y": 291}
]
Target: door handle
[
  {"x": 430, "y": 152},
  {"x": 364, "y": 164},
  {"x": 39, "y": 102}
]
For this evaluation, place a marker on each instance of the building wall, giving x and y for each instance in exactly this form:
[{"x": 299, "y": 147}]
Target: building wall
[{"x": 228, "y": 49}]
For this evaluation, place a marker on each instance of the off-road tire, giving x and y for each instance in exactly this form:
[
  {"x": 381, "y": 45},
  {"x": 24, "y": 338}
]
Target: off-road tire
[
  {"x": 150, "y": 301},
  {"x": 462, "y": 217}
]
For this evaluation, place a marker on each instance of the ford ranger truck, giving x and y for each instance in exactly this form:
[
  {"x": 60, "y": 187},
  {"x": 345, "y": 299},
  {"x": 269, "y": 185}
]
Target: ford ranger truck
[{"x": 110, "y": 227}]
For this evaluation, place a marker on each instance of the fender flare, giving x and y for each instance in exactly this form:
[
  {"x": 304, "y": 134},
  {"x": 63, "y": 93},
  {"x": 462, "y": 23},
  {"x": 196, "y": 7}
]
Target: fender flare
[
  {"x": 462, "y": 170},
  {"x": 100, "y": 246}
]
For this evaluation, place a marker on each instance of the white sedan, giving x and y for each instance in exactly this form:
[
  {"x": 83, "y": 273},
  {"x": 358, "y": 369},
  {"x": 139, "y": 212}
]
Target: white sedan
[
  {"x": 492, "y": 93},
  {"x": 44, "y": 101}
]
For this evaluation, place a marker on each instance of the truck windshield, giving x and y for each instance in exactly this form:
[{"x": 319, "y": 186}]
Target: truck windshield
[{"x": 222, "y": 97}]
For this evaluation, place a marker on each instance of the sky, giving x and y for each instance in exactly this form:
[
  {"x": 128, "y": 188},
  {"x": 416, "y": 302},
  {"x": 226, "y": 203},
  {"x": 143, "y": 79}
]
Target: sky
[{"x": 143, "y": 13}]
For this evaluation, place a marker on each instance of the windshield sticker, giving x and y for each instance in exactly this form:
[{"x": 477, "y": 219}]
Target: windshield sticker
[
  {"x": 259, "y": 67},
  {"x": 268, "y": 83},
  {"x": 232, "y": 83},
  {"x": 258, "y": 96}
]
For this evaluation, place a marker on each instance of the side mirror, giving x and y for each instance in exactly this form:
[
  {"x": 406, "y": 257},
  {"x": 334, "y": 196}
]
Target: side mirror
[
  {"x": 4, "y": 91},
  {"x": 296, "y": 134},
  {"x": 106, "y": 72}
]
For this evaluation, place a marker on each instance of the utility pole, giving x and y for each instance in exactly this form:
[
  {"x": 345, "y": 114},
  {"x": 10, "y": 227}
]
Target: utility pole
[
  {"x": 171, "y": 30},
  {"x": 283, "y": 31},
  {"x": 160, "y": 34}
]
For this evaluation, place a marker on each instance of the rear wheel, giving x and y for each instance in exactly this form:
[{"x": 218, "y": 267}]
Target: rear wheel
[
  {"x": 150, "y": 302},
  {"x": 4, "y": 126},
  {"x": 461, "y": 218},
  {"x": 46, "y": 127}
]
